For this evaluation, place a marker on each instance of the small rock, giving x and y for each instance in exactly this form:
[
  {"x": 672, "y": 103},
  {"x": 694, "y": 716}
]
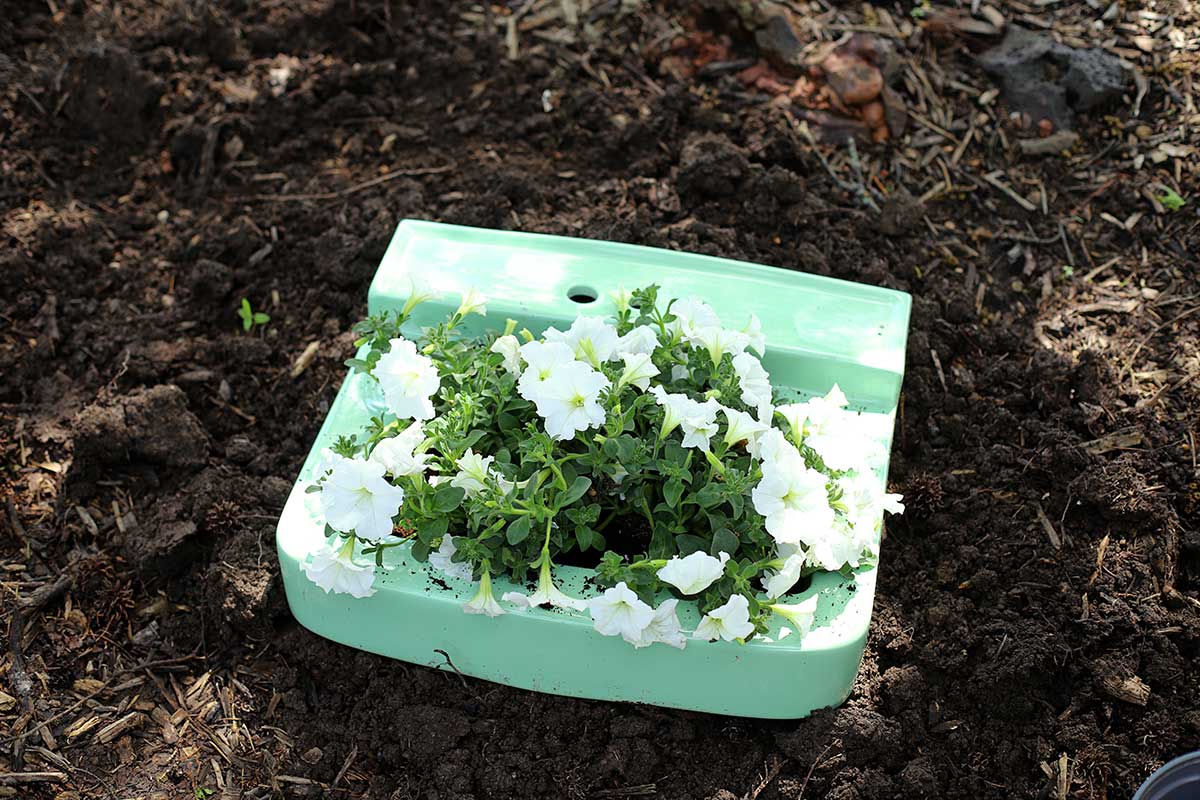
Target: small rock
[
  {"x": 778, "y": 43},
  {"x": 1043, "y": 79},
  {"x": 147, "y": 635},
  {"x": 855, "y": 81},
  {"x": 900, "y": 214},
  {"x": 711, "y": 166},
  {"x": 208, "y": 279},
  {"x": 240, "y": 450},
  {"x": 312, "y": 755},
  {"x": 1049, "y": 145}
]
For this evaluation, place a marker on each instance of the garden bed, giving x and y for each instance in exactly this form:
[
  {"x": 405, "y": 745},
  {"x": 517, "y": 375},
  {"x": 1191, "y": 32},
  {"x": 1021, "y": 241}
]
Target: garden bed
[{"x": 1035, "y": 622}]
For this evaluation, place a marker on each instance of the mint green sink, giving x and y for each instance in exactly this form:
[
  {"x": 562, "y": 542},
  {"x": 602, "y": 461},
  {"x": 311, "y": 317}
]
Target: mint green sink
[{"x": 819, "y": 332}]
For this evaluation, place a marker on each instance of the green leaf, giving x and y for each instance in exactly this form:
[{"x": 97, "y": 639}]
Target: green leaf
[
  {"x": 518, "y": 530},
  {"x": 672, "y": 491},
  {"x": 420, "y": 551},
  {"x": 575, "y": 491},
  {"x": 1171, "y": 200},
  {"x": 260, "y": 318},
  {"x": 447, "y": 498},
  {"x": 724, "y": 540},
  {"x": 709, "y": 496},
  {"x": 432, "y": 528},
  {"x": 584, "y": 535},
  {"x": 689, "y": 543}
]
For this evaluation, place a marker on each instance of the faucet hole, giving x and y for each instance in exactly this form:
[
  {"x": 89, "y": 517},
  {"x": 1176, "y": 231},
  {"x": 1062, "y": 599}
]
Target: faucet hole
[{"x": 582, "y": 294}]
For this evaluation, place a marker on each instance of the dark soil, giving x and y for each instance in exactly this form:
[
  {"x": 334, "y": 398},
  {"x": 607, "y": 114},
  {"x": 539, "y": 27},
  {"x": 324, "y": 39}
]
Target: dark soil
[{"x": 1037, "y": 626}]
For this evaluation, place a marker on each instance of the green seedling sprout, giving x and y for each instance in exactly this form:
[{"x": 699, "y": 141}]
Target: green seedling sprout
[{"x": 250, "y": 317}]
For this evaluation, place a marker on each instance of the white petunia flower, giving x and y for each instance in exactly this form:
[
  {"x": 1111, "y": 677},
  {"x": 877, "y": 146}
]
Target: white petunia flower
[
  {"x": 718, "y": 341},
  {"x": 642, "y": 339},
  {"x": 800, "y": 615},
  {"x": 484, "y": 602},
  {"x": 697, "y": 420},
  {"x": 731, "y": 621},
  {"x": 542, "y": 358},
  {"x": 694, "y": 572},
  {"x": 865, "y": 502},
  {"x": 619, "y": 612},
  {"x": 691, "y": 314},
  {"x": 474, "y": 472},
  {"x": 754, "y": 332},
  {"x": 664, "y": 627},
  {"x": 509, "y": 347},
  {"x": 418, "y": 293},
  {"x": 591, "y": 339},
  {"x": 443, "y": 559},
  {"x": 545, "y": 594},
  {"x": 333, "y": 569},
  {"x": 700, "y": 424},
  {"x": 837, "y": 545},
  {"x": 773, "y": 446},
  {"x": 743, "y": 428},
  {"x": 793, "y": 499},
  {"x": 328, "y": 461},
  {"x": 755, "y": 383},
  {"x": 356, "y": 498},
  {"x": 398, "y": 454},
  {"x": 828, "y": 429},
  {"x": 408, "y": 380},
  {"x": 639, "y": 369},
  {"x": 794, "y": 415},
  {"x": 621, "y": 297},
  {"x": 841, "y": 445},
  {"x": 569, "y": 402},
  {"x": 777, "y": 584},
  {"x": 473, "y": 302},
  {"x": 679, "y": 372}
]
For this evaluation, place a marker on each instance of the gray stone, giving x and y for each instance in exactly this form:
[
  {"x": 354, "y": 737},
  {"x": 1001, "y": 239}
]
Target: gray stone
[{"x": 1047, "y": 80}]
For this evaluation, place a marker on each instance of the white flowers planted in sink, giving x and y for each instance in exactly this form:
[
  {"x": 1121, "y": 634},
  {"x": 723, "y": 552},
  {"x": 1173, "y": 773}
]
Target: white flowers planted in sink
[{"x": 649, "y": 446}]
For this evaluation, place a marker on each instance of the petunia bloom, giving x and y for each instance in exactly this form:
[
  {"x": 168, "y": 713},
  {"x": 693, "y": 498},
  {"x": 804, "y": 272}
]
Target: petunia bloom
[
  {"x": 542, "y": 359},
  {"x": 621, "y": 297},
  {"x": 793, "y": 498},
  {"x": 408, "y": 380},
  {"x": 474, "y": 472},
  {"x": 619, "y": 612},
  {"x": 754, "y": 332},
  {"x": 356, "y": 498},
  {"x": 743, "y": 428},
  {"x": 730, "y": 621},
  {"x": 546, "y": 594},
  {"x": 694, "y": 572},
  {"x": 333, "y": 569},
  {"x": 398, "y": 454},
  {"x": 639, "y": 369},
  {"x": 777, "y": 584},
  {"x": 509, "y": 347},
  {"x": 718, "y": 341},
  {"x": 800, "y": 615},
  {"x": 473, "y": 302},
  {"x": 691, "y": 314},
  {"x": 442, "y": 559},
  {"x": 484, "y": 602},
  {"x": 755, "y": 384},
  {"x": 418, "y": 293},
  {"x": 697, "y": 420},
  {"x": 663, "y": 627},
  {"x": 591, "y": 339},
  {"x": 643, "y": 339},
  {"x": 570, "y": 400}
]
